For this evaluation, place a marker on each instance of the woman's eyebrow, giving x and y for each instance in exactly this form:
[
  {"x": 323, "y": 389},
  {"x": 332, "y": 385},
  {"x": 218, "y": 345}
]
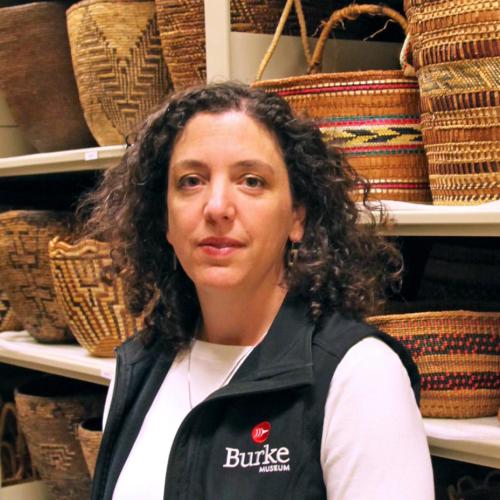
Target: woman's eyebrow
[
  {"x": 256, "y": 164},
  {"x": 189, "y": 163}
]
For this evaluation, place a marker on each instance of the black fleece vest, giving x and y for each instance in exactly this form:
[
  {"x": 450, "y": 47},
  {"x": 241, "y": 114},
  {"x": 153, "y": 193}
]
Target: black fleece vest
[{"x": 259, "y": 437}]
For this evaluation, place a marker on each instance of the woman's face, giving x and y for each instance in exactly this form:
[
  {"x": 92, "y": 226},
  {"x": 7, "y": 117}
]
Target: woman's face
[{"x": 230, "y": 209}]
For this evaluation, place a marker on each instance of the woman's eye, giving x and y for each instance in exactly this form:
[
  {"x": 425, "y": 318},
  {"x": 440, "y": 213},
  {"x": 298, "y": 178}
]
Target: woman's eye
[
  {"x": 189, "y": 181},
  {"x": 253, "y": 182}
]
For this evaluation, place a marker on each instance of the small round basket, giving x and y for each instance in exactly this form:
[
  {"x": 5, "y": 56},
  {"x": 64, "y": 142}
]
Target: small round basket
[
  {"x": 49, "y": 412},
  {"x": 90, "y": 434},
  {"x": 458, "y": 356},
  {"x": 25, "y": 270},
  {"x": 93, "y": 304}
]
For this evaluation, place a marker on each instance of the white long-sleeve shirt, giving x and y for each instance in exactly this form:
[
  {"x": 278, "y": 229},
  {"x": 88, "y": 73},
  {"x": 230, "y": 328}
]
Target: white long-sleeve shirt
[{"x": 373, "y": 444}]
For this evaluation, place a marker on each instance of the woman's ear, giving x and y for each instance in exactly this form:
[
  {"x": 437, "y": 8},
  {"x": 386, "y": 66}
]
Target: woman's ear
[{"x": 298, "y": 223}]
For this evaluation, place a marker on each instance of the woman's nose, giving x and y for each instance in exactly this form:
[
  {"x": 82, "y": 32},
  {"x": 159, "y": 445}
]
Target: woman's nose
[{"x": 220, "y": 203}]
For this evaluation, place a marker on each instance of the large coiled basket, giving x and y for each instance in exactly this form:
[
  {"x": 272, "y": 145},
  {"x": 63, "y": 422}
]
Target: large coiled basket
[
  {"x": 456, "y": 52},
  {"x": 50, "y": 410},
  {"x": 25, "y": 270},
  {"x": 94, "y": 306},
  {"x": 458, "y": 356},
  {"x": 37, "y": 77},
  {"x": 119, "y": 68}
]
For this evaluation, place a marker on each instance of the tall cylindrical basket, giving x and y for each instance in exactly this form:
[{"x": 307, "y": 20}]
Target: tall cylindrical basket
[{"x": 456, "y": 51}]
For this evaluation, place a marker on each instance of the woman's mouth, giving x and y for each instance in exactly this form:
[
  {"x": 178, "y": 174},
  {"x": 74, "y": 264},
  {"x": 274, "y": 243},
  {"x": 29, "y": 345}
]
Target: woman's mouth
[{"x": 219, "y": 246}]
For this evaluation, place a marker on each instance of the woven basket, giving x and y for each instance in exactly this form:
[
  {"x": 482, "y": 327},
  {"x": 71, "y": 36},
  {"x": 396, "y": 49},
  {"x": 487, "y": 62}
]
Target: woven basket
[
  {"x": 120, "y": 72},
  {"x": 182, "y": 31},
  {"x": 457, "y": 57},
  {"x": 90, "y": 435},
  {"x": 458, "y": 356},
  {"x": 8, "y": 320},
  {"x": 49, "y": 412},
  {"x": 372, "y": 116},
  {"x": 94, "y": 309},
  {"x": 25, "y": 270},
  {"x": 37, "y": 77}
]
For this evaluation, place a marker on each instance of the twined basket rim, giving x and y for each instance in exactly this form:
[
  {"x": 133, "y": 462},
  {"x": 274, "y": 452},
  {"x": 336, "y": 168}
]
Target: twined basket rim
[
  {"x": 87, "y": 3},
  {"x": 437, "y": 315},
  {"x": 374, "y": 75}
]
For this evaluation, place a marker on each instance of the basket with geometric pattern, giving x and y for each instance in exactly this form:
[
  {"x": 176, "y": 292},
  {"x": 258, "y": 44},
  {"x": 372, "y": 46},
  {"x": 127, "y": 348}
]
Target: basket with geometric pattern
[
  {"x": 456, "y": 52},
  {"x": 25, "y": 270},
  {"x": 50, "y": 410},
  {"x": 8, "y": 320},
  {"x": 182, "y": 31},
  {"x": 118, "y": 63},
  {"x": 92, "y": 303},
  {"x": 458, "y": 356},
  {"x": 371, "y": 116}
]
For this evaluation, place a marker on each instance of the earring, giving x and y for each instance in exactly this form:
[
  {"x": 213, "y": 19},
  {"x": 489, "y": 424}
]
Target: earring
[
  {"x": 293, "y": 254},
  {"x": 174, "y": 262}
]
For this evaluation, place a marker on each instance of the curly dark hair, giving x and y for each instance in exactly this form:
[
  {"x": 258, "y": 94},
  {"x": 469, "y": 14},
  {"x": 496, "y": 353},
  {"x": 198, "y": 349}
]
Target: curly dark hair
[{"x": 342, "y": 265}]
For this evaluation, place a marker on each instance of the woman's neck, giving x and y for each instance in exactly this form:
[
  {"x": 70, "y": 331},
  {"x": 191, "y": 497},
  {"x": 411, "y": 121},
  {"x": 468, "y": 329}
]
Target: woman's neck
[{"x": 238, "y": 319}]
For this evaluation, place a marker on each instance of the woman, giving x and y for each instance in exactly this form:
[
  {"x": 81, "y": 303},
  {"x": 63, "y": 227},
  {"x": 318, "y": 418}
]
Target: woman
[{"x": 254, "y": 377}]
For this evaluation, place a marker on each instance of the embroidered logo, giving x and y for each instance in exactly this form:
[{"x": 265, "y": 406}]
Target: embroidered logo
[
  {"x": 265, "y": 459},
  {"x": 260, "y": 432}
]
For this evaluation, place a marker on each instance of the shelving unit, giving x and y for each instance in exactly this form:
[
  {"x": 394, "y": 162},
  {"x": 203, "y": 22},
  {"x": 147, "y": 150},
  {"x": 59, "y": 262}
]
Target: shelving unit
[{"x": 471, "y": 440}]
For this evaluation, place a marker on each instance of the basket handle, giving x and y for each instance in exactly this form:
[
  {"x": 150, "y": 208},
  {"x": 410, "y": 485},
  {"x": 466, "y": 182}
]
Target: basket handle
[
  {"x": 279, "y": 30},
  {"x": 351, "y": 13}
]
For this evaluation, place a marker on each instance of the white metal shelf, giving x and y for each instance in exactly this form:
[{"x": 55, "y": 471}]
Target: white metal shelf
[
  {"x": 473, "y": 440},
  {"x": 68, "y": 360},
  {"x": 469, "y": 440},
  {"x": 75, "y": 160}
]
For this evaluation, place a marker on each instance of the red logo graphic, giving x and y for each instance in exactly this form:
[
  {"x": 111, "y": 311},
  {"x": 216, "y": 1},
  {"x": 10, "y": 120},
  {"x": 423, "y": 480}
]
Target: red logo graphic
[{"x": 260, "y": 432}]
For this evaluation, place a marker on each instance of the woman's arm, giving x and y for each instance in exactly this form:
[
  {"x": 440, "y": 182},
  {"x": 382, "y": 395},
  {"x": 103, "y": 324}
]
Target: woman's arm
[{"x": 374, "y": 444}]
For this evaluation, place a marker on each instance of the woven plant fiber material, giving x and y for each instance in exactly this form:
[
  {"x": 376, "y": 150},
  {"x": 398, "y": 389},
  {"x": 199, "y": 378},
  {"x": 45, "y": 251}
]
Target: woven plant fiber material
[
  {"x": 90, "y": 435},
  {"x": 456, "y": 51},
  {"x": 182, "y": 31},
  {"x": 458, "y": 357},
  {"x": 50, "y": 410},
  {"x": 37, "y": 77},
  {"x": 8, "y": 320},
  {"x": 25, "y": 270},
  {"x": 93, "y": 306},
  {"x": 372, "y": 117},
  {"x": 118, "y": 63}
]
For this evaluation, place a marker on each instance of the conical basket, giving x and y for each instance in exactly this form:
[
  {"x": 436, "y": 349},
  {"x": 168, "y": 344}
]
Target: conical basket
[
  {"x": 50, "y": 410},
  {"x": 37, "y": 77},
  {"x": 93, "y": 306},
  {"x": 25, "y": 270},
  {"x": 119, "y": 68}
]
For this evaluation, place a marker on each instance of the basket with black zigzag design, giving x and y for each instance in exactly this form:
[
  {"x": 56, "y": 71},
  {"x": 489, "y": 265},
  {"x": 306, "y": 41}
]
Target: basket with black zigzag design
[
  {"x": 458, "y": 356},
  {"x": 372, "y": 116},
  {"x": 92, "y": 302},
  {"x": 118, "y": 63}
]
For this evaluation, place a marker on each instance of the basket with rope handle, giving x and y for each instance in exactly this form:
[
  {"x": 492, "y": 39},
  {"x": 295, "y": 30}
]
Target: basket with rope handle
[{"x": 371, "y": 116}]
